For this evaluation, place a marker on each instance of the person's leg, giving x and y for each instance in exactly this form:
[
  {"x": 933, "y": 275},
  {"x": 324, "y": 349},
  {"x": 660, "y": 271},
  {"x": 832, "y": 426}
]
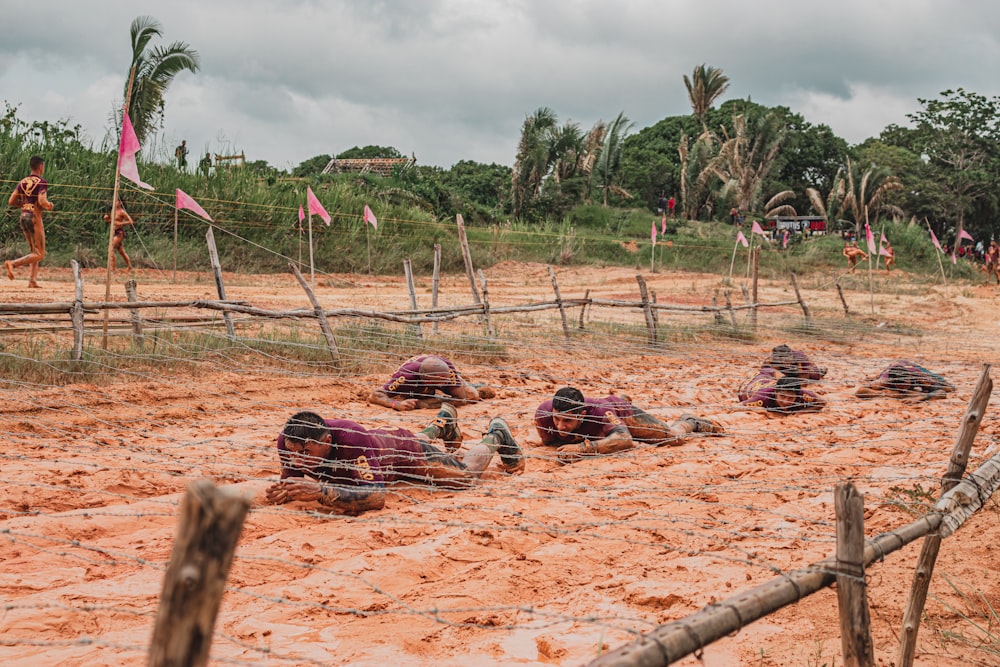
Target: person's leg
[
  {"x": 445, "y": 426},
  {"x": 646, "y": 428},
  {"x": 38, "y": 253},
  {"x": 444, "y": 470}
]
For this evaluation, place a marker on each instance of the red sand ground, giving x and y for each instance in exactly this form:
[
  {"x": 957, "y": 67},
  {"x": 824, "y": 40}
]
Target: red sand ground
[{"x": 550, "y": 567}]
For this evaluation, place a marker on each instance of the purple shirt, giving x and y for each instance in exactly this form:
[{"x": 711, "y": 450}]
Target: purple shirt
[
  {"x": 916, "y": 378},
  {"x": 361, "y": 456},
  {"x": 406, "y": 382},
  {"x": 30, "y": 188},
  {"x": 807, "y": 370},
  {"x": 601, "y": 418},
  {"x": 758, "y": 392}
]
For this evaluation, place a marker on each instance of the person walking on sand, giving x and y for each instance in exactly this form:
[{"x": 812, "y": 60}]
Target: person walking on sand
[
  {"x": 122, "y": 220},
  {"x": 350, "y": 465},
  {"x": 31, "y": 194},
  {"x": 414, "y": 384}
]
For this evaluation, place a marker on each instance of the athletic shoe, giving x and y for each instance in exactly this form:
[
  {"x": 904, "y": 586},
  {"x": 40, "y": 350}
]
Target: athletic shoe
[
  {"x": 510, "y": 453},
  {"x": 702, "y": 425},
  {"x": 447, "y": 424}
]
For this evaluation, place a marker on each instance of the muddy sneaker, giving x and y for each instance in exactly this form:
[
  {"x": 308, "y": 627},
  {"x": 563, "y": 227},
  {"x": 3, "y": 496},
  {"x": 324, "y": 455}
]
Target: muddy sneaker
[
  {"x": 510, "y": 453},
  {"x": 445, "y": 426},
  {"x": 702, "y": 425}
]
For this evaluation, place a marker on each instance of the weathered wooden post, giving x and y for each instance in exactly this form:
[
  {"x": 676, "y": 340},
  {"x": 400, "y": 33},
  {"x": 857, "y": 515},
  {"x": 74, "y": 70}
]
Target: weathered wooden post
[
  {"x": 324, "y": 324},
  {"x": 729, "y": 307},
  {"x": 210, "y": 523},
  {"x": 559, "y": 302},
  {"x": 802, "y": 303},
  {"x": 932, "y": 543},
  {"x": 583, "y": 308},
  {"x": 134, "y": 317},
  {"x": 408, "y": 270},
  {"x": 650, "y": 323},
  {"x": 843, "y": 301},
  {"x": 436, "y": 281},
  {"x": 76, "y": 312},
  {"x": 213, "y": 256},
  {"x": 852, "y": 595},
  {"x": 486, "y": 305},
  {"x": 715, "y": 307},
  {"x": 467, "y": 257}
]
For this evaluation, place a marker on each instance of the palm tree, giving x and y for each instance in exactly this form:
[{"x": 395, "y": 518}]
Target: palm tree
[
  {"x": 704, "y": 87},
  {"x": 609, "y": 163},
  {"x": 830, "y": 207},
  {"x": 533, "y": 160},
  {"x": 743, "y": 164},
  {"x": 152, "y": 71},
  {"x": 867, "y": 192}
]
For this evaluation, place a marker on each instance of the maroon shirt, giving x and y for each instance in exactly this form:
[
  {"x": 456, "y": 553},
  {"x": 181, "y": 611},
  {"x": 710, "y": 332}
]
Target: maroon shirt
[
  {"x": 601, "y": 418},
  {"x": 406, "y": 382},
  {"x": 30, "y": 188},
  {"x": 758, "y": 392},
  {"x": 361, "y": 456},
  {"x": 915, "y": 378}
]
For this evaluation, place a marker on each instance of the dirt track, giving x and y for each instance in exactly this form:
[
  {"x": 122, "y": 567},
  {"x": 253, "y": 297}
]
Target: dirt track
[{"x": 544, "y": 568}]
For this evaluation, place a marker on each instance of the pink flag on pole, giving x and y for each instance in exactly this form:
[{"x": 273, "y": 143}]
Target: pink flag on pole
[
  {"x": 302, "y": 216},
  {"x": 870, "y": 238},
  {"x": 784, "y": 239},
  {"x": 934, "y": 240},
  {"x": 127, "y": 149},
  {"x": 742, "y": 239},
  {"x": 370, "y": 218},
  {"x": 757, "y": 229},
  {"x": 965, "y": 235},
  {"x": 882, "y": 241},
  {"x": 883, "y": 252},
  {"x": 315, "y": 208},
  {"x": 663, "y": 224},
  {"x": 953, "y": 259},
  {"x": 652, "y": 235},
  {"x": 184, "y": 200}
]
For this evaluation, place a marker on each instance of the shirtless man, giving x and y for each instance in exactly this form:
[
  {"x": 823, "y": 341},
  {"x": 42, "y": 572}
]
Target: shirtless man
[
  {"x": 783, "y": 394},
  {"x": 583, "y": 426},
  {"x": 349, "y": 466},
  {"x": 122, "y": 220},
  {"x": 993, "y": 262},
  {"x": 853, "y": 253},
  {"x": 31, "y": 194},
  {"x": 414, "y": 384},
  {"x": 890, "y": 256},
  {"x": 908, "y": 382}
]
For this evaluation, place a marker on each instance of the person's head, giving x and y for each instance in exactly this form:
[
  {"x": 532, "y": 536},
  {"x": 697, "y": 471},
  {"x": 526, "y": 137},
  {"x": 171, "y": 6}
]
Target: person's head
[
  {"x": 901, "y": 378},
  {"x": 435, "y": 372},
  {"x": 787, "y": 393},
  {"x": 36, "y": 164},
  {"x": 184, "y": 142},
  {"x": 568, "y": 409},
  {"x": 782, "y": 358},
  {"x": 307, "y": 438}
]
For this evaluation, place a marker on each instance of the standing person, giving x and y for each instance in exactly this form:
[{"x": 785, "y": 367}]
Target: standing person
[
  {"x": 31, "y": 194},
  {"x": 122, "y": 220},
  {"x": 205, "y": 165},
  {"x": 350, "y": 465},
  {"x": 993, "y": 262},
  {"x": 853, "y": 253},
  {"x": 890, "y": 256},
  {"x": 907, "y": 381},
  {"x": 583, "y": 426},
  {"x": 661, "y": 205},
  {"x": 671, "y": 204},
  {"x": 414, "y": 384},
  {"x": 181, "y": 153}
]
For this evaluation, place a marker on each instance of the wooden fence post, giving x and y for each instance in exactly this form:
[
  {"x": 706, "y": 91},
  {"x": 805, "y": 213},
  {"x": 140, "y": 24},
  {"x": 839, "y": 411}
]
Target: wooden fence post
[
  {"x": 583, "y": 308},
  {"x": 932, "y": 543},
  {"x": 436, "y": 281},
  {"x": 852, "y": 595},
  {"x": 76, "y": 313},
  {"x": 753, "y": 286},
  {"x": 324, "y": 324},
  {"x": 408, "y": 270},
  {"x": 729, "y": 307},
  {"x": 209, "y": 527},
  {"x": 650, "y": 322},
  {"x": 467, "y": 257},
  {"x": 843, "y": 301},
  {"x": 486, "y": 305},
  {"x": 559, "y": 302},
  {"x": 715, "y": 306},
  {"x": 213, "y": 256},
  {"x": 798, "y": 295},
  {"x": 136, "y": 319}
]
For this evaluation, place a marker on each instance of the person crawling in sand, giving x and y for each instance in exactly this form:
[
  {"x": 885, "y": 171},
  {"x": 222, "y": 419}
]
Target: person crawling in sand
[
  {"x": 907, "y": 381},
  {"x": 586, "y": 426},
  {"x": 346, "y": 467},
  {"x": 778, "y": 392},
  {"x": 794, "y": 362},
  {"x": 415, "y": 384}
]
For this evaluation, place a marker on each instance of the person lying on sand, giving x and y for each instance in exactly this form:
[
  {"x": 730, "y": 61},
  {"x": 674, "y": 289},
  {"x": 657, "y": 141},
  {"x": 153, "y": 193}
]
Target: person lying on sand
[
  {"x": 794, "y": 362},
  {"x": 907, "y": 381},
  {"x": 349, "y": 466},
  {"x": 414, "y": 384},
  {"x": 783, "y": 394},
  {"x": 584, "y": 426}
]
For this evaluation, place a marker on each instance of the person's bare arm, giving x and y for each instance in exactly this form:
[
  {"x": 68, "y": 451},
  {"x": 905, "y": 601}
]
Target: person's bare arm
[
  {"x": 616, "y": 441},
  {"x": 14, "y": 199},
  {"x": 465, "y": 394},
  {"x": 379, "y": 397},
  {"x": 43, "y": 201},
  {"x": 123, "y": 219},
  {"x": 343, "y": 499}
]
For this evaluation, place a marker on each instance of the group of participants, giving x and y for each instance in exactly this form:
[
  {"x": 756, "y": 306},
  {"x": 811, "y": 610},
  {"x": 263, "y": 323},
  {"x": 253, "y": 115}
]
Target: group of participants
[
  {"x": 346, "y": 467},
  {"x": 854, "y": 254}
]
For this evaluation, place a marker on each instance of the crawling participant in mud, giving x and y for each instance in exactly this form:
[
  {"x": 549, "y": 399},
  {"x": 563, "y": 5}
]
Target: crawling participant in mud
[
  {"x": 585, "y": 426},
  {"x": 782, "y": 395},
  {"x": 794, "y": 362},
  {"x": 415, "y": 384},
  {"x": 907, "y": 381},
  {"x": 349, "y": 466}
]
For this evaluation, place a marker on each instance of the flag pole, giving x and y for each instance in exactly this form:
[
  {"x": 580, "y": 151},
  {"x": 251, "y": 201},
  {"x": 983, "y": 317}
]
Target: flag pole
[
  {"x": 938, "y": 254},
  {"x": 114, "y": 215},
  {"x": 175, "y": 240},
  {"x": 871, "y": 285},
  {"x": 368, "y": 241},
  {"x": 652, "y": 255},
  {"x": 749, "y": 254},
  {"x": 732, "y": 262},
  {"x": 312, "y": 268}
]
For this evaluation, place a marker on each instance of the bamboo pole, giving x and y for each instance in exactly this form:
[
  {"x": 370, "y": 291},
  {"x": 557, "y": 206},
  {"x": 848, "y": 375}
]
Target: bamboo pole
[
  {"x": 213, "y": 256},
  {"x": 798, "y": 295},
  {"x": 76, "y": 313},
  {"x": 134, "y": 317},
  {"x": 210, "y": 524},
  {"x": 932, "y": 543},
  {"x": 486, "y": 305},
  {"x": 467, "y": 258},
  {"x": 324, "y": 324},
  {"x": 408, "y": 270},
  {"x": 753, "y": 287},
  {"x": 175, "y": 240},
  {"x": 312, "y": 266},
  {"x": 436, "y": 281},
  {"x": 852, "y": 596},
  {"x": 562, "y": 310},
  {"x": 650, "y": 323}
]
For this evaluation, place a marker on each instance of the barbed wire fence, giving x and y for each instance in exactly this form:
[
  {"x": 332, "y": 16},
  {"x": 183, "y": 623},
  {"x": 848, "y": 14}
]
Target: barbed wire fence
[{"x": 559, "y": 564}]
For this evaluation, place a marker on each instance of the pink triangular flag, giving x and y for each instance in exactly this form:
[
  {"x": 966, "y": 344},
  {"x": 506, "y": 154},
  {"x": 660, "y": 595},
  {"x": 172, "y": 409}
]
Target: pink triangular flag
[
  {"x": 869, "y": 238},
  {"x": 302, "y": 216},
  {"x": 965, "y": 235},
  {"x": 883, "y": 252},
  {"x": 934, "y": 240},
  {"x": 370, "y": 218},
  {"x": 127, "y": 149},
  {"x": 742, "y": 239},
  {"x": 652, "y": 235},
  {"x": 315, "y": 208},
  {"x": 757, "y": 229},
  {"x": 882, "y": 241},
  {"x": 663, "y": 224},
  {"x": 184, "y": 201},
  {"x": 784, "y": 239}
]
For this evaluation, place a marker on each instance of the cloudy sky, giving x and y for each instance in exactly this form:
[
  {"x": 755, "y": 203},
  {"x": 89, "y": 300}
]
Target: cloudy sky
[{"x": 448, "y": 80}]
